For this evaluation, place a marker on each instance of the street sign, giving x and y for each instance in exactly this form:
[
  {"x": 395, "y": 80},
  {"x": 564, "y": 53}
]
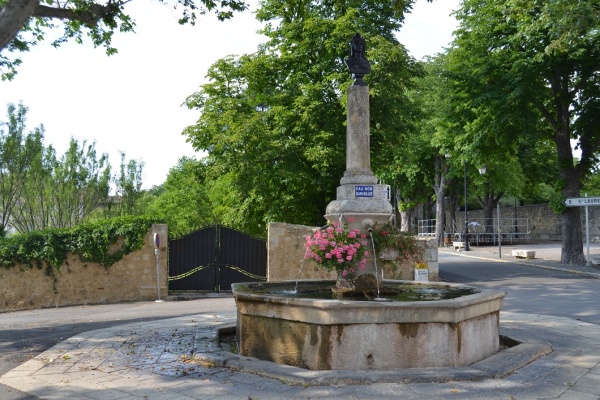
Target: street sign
[
  {"x": 582, "y": 201},
  {"x": 363, "y": 191}
]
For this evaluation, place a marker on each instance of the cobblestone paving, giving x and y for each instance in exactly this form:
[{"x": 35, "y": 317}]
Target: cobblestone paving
[{"x": 153, "y": 360}]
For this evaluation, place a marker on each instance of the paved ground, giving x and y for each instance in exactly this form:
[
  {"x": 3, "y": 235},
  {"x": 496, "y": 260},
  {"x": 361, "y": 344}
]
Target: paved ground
[{"x": 155, "y": 360}]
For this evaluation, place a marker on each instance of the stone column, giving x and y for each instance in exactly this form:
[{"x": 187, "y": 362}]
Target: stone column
[
  {"x": 358, "y": 148},
  {"x": 359, "y": 196}
]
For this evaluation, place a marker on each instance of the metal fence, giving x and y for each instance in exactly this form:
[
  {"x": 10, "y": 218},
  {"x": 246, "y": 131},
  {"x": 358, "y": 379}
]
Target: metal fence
[{"x": 482, "y": 230}]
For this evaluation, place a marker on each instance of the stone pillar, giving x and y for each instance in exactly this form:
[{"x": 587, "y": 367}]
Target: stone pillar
[
  {"x": 359, "y": 196},
  {"x": 358, "y": 147}
]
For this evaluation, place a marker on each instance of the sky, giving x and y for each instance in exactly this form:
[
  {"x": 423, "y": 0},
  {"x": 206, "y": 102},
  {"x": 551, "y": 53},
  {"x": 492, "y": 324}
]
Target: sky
[{"x": 131, "y": 102}]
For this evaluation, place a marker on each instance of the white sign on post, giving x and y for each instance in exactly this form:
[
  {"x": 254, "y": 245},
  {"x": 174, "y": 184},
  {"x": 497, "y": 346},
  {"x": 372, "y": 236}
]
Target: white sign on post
[{"x": 584, "y": 202}]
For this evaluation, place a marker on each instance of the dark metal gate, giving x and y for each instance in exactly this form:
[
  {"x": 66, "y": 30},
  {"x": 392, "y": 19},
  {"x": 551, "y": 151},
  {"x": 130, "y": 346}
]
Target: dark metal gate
[{"x": 215, "y": 257}]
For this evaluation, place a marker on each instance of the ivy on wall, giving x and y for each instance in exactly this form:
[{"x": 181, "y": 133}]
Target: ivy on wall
[{"x": 91, "y": 242}]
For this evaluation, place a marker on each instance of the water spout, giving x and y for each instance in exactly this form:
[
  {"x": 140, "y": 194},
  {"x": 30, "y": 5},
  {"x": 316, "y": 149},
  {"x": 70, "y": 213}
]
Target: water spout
[
  {"x": 299, "y": 274},
  {"x": 375, "y": 258}
]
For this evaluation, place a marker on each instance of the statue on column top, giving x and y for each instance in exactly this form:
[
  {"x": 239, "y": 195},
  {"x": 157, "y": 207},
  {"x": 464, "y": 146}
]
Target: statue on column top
[{"x": 357, "y": 63}]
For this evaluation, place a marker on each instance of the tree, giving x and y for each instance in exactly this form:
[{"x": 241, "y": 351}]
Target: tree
[
  {"x": 522, "y": 62},
  {"x": 63, "y": 192},
  {"x": 39, "y": 190},
  {"x": 17, "y": 151},
  {"x": 127, "y": 189},
  {"x": 430, "y": 95},
  {"x": 184, "y": 203},
  {"x": 23, "y": 23},
  {"x": 272, "y": 122}
]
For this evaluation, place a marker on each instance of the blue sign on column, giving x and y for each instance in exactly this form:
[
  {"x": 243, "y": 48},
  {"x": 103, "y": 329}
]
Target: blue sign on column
[{"x": 363, "y": 191}]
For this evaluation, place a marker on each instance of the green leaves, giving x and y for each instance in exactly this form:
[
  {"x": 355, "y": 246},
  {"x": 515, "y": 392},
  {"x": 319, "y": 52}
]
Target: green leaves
[
  {"x": 26, "y": 22},
  {"x": 273, "y": 122},
  {"x": 184, "y": 203},
  {"x": 104, "y": 243}
]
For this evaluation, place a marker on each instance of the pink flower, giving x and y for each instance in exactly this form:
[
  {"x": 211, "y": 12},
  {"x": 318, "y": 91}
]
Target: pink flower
[
  {"x": 344, "y": 273},
  {"x": 351, "y": 219}
]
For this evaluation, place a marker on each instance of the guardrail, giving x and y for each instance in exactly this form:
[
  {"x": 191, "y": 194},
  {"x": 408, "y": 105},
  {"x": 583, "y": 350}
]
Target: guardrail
[{"x": 482, "y": 230}]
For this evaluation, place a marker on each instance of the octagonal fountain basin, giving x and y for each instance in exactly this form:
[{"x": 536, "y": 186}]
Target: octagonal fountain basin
[{"x": 417, "y": 325}]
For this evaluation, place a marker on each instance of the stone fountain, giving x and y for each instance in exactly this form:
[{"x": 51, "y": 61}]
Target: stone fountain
[{"x": 318, "y": 332}]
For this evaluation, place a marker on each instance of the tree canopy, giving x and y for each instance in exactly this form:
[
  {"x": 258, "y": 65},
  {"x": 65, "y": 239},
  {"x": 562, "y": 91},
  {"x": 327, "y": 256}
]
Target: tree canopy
[
  {"x": 532, "y": 66},
  {"x": 40, "y": 190},
  {"x": 24, "y": 23},
  {"x": 272, "y": 122}
]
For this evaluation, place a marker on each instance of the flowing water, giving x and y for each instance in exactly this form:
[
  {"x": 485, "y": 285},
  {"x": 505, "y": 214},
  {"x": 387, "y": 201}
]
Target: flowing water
[
  {"x": 299, "y": 274},
  {"x": 375, "y": 258}
]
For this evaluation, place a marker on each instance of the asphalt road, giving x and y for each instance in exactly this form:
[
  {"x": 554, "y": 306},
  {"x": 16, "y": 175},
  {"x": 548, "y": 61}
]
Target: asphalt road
[
  {"x": 529, "y": 289},
  {"x": 25, "y": 334}
]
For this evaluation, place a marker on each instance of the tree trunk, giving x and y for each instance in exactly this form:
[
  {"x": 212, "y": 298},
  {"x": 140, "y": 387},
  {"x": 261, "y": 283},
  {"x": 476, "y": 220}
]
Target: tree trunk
[
  {"x": 489, "y": 203},
  {"x": 452, "y": 207},
  {"x": 405, "y": 220},
  {"x": 13, "y": 16},
  {"x": 439, "y": 188},
  {"x": 572, "y": 235}
]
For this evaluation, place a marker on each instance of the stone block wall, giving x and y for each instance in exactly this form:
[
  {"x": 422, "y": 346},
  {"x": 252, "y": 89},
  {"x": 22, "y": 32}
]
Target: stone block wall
[
  {"x": 407, "y": 271},
  {"x": 285, "y": 254},
  {"x": 133, "y": 278},
  {"x": 285, "y": 259}
]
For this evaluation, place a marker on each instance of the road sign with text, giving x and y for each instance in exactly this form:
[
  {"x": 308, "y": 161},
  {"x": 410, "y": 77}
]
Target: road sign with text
[{"x": 582, "y": 201}]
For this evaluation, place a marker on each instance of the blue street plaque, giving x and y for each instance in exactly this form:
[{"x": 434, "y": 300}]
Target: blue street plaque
[{"x": 363, "y": 191}]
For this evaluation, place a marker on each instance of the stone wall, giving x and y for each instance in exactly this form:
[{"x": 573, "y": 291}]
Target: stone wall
[
  {"x": 544, "y": 224},
  {"x": 285, "y": 260},
  {"x": 134, "y": 278},
  {"x": 285, "y": 254}
]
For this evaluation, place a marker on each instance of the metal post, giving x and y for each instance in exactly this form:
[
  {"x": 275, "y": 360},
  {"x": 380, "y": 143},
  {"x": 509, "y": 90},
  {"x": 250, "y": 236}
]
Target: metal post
[
  {"x": 499, "y": 233},
  {"x": 587, "y": 235},
  {"x": 516, "y": 228},
  {"x": 466, "y": 218},
  {"x": 157, "y": 252}
]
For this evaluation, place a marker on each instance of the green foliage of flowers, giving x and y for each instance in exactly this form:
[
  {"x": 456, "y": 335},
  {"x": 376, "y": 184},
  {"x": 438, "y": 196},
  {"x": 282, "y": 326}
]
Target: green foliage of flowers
[
  {"x": 386, "y": 238},
  {"x": 91, "y": 242}
]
